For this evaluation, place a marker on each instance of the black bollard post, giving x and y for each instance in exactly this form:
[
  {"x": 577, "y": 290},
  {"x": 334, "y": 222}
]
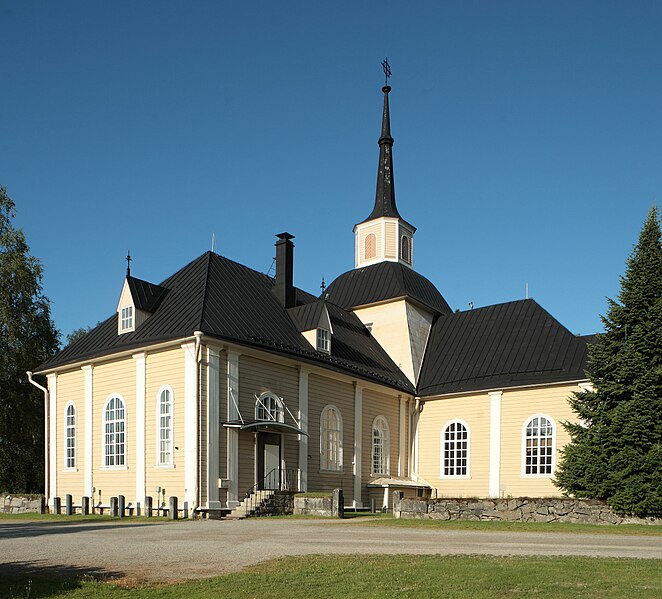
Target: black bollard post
[
  {"x": 85, "y": 506},
  {"x": 114, "y": 511},
  {"x": 57, "y": 505},
  {"x": 121, "y": 506},
  {"x": 173, "y": 509},
  {"x": 68, "y": 505},
  {"x": 148, "y": 506}
]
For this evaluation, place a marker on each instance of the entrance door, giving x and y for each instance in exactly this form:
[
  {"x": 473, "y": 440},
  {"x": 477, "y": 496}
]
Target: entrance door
[{"x": 268, "y": 461}]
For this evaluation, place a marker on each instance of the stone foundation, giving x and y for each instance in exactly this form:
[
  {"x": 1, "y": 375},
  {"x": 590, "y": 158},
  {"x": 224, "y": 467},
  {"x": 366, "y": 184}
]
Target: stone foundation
[
  {"x": 22, "y": 505},
  {"x": 521, "y": 509}
]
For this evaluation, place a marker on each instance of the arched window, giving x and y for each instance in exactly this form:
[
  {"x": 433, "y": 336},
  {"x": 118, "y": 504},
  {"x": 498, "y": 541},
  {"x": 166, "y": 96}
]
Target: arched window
[
  {"x": 538, "y": 440},
  {"x": 370, "y": 246},
  {"x": 269, "y": 407},
  {"x": 455, "y": 449},
  {"x": 114, "y": 423},
  {"x": 164, "y": 410},
  {"x": 405, "y": 249},
  {"x": 331, "y": 439},
  {"x": 70, "y": 436},
  {"x": 380, "y": 446}
]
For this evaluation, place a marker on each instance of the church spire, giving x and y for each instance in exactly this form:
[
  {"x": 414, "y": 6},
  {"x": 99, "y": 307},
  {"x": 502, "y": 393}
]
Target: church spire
[
  {"x": 385, "y": 194},
  {"x": 384, "y": 235}
]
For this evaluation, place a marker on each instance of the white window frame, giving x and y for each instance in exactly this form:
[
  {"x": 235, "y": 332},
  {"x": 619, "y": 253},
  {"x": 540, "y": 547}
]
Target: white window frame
[
  {"x": 127, "y": 319},
  {"x": 552, "y": 466},
  {"x": 331, "y": 463},
  {"x": 442, "y": 453},
  {"x": 323, "y": 340},
  {"x": 262, "y": 408},
  {"x": 67, "y": 427},
  {"x": 171, "y": 429},
  {"x": 385, "y": 444},
  {"x": 104, "y": 445}
]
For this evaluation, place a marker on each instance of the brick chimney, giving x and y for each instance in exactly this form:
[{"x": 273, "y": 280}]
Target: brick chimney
[{"x": 284, "y": 285}]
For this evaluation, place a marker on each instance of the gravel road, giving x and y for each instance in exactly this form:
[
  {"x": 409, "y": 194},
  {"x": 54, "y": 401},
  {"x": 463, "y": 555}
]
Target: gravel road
[{"x": 198, "y": 549}]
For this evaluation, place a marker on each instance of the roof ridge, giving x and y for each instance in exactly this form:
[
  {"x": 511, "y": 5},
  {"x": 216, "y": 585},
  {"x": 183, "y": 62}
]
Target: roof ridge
[{"x": 206, "y": 292}]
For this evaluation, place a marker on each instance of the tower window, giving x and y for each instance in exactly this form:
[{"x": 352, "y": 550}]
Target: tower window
[
  {"x": 405, "y": 249},
  {"x": 370, "y": 246}
]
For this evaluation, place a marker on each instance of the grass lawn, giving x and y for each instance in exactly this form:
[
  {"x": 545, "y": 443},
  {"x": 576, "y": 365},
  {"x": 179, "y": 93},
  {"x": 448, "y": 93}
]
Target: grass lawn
[
  {"x": 77, "y": 518},
  {"x": 384, "y": 576},
  {"x": 493, "y": 525}
]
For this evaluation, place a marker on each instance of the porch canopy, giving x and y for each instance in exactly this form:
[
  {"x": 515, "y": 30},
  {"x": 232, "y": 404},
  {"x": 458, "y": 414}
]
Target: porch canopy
[{"x": 270, "y": 426}]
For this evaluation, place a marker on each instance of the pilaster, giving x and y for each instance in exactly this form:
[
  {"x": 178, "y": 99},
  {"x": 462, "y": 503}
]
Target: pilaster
[
  {"x": 213, "y": 424},
  {"x": 358, "y": 426},
  {"x": 303, "y": 425},
  {"x": 141, "y": 371},
  {"x": 495, "y": 442},
  {"x": 88, "y": 435}
]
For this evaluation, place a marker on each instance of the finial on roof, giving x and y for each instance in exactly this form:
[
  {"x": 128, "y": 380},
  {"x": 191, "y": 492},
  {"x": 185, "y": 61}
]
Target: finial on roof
[
  {"x": 128, "y": 263},
  {"x": 323, "y": 286},
  {"x": 387, "y": 71}
]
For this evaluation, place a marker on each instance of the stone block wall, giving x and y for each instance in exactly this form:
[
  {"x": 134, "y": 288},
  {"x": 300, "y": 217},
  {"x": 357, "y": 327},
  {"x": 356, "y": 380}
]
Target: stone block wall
[
  {"x": 279, "y": 504},
  {"x": 331, "y": 506},
  {"x": 22, "y": 505},
  {"x": 521, "y": 509}
]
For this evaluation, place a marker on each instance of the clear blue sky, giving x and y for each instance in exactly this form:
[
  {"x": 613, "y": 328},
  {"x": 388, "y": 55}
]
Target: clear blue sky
[{"x": 528, "y": 140}]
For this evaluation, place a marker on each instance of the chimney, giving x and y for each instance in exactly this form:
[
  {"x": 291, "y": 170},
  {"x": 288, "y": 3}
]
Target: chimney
[{"x": 284, "y": 286}]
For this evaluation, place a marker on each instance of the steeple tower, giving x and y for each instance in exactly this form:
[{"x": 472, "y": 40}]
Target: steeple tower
[{"x": 384, "y": 235}]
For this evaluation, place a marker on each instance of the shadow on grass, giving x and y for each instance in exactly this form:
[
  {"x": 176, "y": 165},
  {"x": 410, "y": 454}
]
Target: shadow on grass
[{"x": 41, "y": 579}]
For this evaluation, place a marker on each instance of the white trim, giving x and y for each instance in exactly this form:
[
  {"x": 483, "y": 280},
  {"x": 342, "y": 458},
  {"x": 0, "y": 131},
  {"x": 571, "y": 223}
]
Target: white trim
[
  {"x": 358, "y": 425},
  {"x": 442, "y": 451},
  {"x": 303, "y": 425},
  {"x": 73, "y": 468},
  {"x": 190, "y": 422},
  {"x": 170, "y": 463},
  {"x": 495, "y": 443},
  {"x": 213, "y": 427},
  {"x": 233, "y": 434},
  {"x": 339, "y": 461},
  {"x": 386, "y": 447},
  {"x": 523, "y": 450},
  {"x": 140, "y": 424},
  {"x": 441, "y": 396},
  {"x": 88, "y": 465},
  {"x": 52, "y": 434},
  {"x": 103, "y": 434},
  {"x": 401, "y": 437}
]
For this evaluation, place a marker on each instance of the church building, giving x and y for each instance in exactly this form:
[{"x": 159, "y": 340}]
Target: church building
[{"x": 222, "y": 380}]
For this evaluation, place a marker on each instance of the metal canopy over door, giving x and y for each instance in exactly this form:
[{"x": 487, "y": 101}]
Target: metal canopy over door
[{"x": 268, "y": 461}]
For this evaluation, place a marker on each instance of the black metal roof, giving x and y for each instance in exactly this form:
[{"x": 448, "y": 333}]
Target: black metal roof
[
  {"x": 506, "y": 345},
  {"x": 232, "y": 302},
  {"x": 307, "y": 316},
  {"x": 383, "y": 281},
  {"x": 146, "y": 296}
]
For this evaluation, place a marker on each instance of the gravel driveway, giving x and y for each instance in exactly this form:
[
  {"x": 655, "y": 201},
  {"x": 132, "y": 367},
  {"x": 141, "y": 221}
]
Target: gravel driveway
[{"x": 197, "y": 549}]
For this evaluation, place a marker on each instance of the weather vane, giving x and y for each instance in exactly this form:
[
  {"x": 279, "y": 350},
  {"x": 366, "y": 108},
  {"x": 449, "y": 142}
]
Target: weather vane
[
  {"x": 128, "y": 263},
  {"x": 387, "y": 70}
]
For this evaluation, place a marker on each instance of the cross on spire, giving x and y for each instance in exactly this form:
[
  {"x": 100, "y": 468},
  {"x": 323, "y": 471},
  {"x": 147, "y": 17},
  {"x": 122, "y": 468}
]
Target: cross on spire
[
  {"x": 387, "y": 70},
  {"x": 128, "y": 263}
]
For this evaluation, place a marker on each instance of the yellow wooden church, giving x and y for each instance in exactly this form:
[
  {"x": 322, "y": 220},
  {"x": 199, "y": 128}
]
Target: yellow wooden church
[{"x": 222, "y": 380}]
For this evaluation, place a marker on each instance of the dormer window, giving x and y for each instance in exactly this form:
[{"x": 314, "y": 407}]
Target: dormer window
[
  {"x": 323, "y": 340},
  {"x": 126, "y": 319}
]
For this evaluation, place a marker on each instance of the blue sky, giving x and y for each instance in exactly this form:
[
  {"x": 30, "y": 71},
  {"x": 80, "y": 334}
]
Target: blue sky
[{"x": 528, "y": 140}]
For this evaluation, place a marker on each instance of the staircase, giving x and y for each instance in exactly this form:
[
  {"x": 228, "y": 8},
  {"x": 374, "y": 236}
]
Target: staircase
[{"x": 252, "y": 505}]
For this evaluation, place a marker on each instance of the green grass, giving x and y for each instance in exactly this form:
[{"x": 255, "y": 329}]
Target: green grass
[
  {"x": 76, "y": 517},
  {"x": 494, "y": 525},
  {"x": 385, "y": 576}
]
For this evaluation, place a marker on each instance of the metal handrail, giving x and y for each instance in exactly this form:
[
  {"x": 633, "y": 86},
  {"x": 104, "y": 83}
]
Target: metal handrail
[{"x": 287, "y": 481}]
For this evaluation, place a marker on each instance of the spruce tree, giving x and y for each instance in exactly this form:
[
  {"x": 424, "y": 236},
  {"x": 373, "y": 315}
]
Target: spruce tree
[
  {"x": 615, "y": 451},
  {"x": 27, "y": 338}
]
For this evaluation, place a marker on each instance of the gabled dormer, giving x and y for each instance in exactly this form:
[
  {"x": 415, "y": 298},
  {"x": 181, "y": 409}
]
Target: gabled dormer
[
  {"x": 314, "y": 323},
  {"x": 384, "y": 236},
  {"x": 138, "y": 300}
]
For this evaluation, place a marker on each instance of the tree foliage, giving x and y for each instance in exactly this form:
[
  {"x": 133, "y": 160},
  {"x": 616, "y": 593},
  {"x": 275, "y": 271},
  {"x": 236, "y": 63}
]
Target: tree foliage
[
  {"x": 77, "y": 334},
  {"x": 616, "y": 448},
  {"x": 27, "y": 338}
]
